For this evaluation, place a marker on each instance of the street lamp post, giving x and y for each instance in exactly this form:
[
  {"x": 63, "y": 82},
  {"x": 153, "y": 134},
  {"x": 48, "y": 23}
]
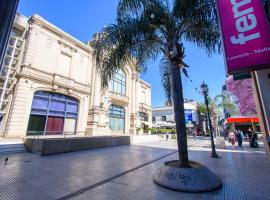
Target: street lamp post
[{"x": 204, "y": 89}]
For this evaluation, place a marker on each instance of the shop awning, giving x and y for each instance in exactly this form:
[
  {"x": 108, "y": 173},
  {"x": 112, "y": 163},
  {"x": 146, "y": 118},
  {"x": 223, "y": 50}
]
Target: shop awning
[
  {"x": 242, "y": 120},
  {"x": 163, "y": 124}
]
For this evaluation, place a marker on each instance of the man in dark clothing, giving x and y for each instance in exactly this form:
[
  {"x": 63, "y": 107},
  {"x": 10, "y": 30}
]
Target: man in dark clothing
[{"x": 253, "y": 139}]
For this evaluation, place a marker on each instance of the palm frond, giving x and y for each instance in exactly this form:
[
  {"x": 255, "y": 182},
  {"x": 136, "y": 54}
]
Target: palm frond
[
  {"x": 116, "y": 44},
  {"x": 198, "y": 23}
]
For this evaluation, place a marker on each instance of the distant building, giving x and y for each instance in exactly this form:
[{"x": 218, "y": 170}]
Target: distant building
[
  {"x": 164, "y": 116},
  {"x": 50, "y": 86},
  {"x": 241, "y": 95}
]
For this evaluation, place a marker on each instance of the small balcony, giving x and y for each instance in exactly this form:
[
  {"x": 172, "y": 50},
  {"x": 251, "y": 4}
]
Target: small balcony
[
  {"x": 119, "y": 98},
  {"x": 143, "y": 107}
]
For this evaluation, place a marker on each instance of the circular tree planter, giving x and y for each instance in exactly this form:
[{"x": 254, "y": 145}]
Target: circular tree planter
[{"x": 197, "y": 178}]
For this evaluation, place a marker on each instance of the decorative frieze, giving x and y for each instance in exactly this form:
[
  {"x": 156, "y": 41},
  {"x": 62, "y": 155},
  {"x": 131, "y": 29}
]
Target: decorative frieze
[{"x": 57, "y": 81}]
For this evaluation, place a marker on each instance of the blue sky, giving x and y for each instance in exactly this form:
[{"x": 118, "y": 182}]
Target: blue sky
[{"x": 82, "y": 18}]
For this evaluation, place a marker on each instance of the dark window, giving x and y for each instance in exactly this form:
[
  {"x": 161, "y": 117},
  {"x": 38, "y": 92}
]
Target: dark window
[
  {"x": 36, "y": 124},
  {"x": 163, "y": 118},
  {"x": 143, "y": 116}
]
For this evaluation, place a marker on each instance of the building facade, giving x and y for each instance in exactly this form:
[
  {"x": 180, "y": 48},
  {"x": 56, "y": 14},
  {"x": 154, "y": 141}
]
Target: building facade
[
  {"x": 164, "y": 116},
  {"x": 55, "y": 89},
  {"x": 240, "y": 94}
]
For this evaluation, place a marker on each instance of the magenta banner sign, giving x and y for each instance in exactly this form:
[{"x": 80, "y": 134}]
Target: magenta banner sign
[{"x": 246, "y": 34}]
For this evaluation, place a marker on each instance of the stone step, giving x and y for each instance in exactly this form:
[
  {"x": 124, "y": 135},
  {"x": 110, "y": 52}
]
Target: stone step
[
  {"x": 11, "y": 148},
  {"x": 6, "y": 146}
]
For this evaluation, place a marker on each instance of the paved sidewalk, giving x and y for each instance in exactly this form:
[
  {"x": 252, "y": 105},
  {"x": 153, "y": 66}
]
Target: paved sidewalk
[{"x": 126, "y": 172}]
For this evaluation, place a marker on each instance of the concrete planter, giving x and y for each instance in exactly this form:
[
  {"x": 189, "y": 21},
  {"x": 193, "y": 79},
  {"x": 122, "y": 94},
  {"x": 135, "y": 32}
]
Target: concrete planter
[
  {"x": 198, "y": 178},
  {"x": 64, "y": 145}
]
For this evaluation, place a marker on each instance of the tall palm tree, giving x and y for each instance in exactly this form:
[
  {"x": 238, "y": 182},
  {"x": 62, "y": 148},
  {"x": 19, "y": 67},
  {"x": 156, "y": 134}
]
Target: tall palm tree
[{"x": 146, "y": 28}]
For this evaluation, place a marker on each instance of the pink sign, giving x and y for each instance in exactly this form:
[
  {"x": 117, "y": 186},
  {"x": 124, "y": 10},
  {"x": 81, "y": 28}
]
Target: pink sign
[{"x": 246, "y": 34}]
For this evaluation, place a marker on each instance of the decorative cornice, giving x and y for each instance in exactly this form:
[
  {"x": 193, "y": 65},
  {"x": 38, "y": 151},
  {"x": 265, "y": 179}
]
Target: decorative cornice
[
  {"x": 55, "y": 80},
  {"x": 38, "y": 20}
]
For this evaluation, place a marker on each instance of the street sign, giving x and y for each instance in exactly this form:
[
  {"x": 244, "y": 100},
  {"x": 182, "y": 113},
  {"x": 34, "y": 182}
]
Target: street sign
[
  {"x": 246, "y": 35},
  {"x": 188, "y": 116}
]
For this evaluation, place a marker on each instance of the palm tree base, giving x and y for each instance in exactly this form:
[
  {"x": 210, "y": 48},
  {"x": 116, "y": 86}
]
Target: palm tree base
[{"x": 197, "y": 178}]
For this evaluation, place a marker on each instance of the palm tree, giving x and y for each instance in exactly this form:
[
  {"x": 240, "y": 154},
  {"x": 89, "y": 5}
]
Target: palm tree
[
  {"x": 218, "y": 102},
  {"x": 221, "y": 101},
  {"x": 146, "y": 28}
]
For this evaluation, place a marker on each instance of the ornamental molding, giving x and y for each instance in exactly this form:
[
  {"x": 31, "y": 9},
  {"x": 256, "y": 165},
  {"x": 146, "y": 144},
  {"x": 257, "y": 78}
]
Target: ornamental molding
[{"x": 65, "y": 47}]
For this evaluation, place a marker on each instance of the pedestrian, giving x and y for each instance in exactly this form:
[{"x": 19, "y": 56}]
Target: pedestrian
[
  {"x": 167, "y": 136},
  {"x": 249, "y": 134},
  {"x": 254, "y": 139},
  {"x": 240, "y": 137},
  {"x": 232, "y": 139}
]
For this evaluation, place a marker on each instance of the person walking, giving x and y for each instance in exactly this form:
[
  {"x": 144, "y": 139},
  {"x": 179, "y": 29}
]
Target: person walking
[
  {"x": 253, "y": 140},
  {"x": 249, "y": 134},
  {"x": 232, "y": 139},
  {"x": 240, "y": 137},
  {"x": 167, "y": 136}
]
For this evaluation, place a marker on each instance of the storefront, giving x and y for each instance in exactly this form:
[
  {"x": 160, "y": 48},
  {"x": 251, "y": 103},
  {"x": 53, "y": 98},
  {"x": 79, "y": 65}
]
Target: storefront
[
  {"x": 243, "y": 123},
  {"x": 52, "y": 114}
]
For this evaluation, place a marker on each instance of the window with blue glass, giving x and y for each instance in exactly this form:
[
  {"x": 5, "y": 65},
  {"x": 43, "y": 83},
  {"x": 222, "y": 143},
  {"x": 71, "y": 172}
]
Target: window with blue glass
[
  {"x": 117, "y": 118},
  {"x": 52, "y": 114},
  {"x": 118, "y": 82}
]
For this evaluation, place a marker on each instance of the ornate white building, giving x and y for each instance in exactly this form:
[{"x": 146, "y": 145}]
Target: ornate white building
[{"x": 50, "y": 86}]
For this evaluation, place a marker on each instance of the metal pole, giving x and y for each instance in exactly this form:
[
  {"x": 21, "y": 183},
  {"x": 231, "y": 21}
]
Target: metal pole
[
  {"x": 8, "y": 10},
  {"x": 213, "y": 154}
]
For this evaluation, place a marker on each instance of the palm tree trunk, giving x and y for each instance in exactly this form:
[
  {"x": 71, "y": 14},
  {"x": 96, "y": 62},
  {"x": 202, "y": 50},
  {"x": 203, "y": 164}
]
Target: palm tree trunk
[{"x": 179, "y": 115}]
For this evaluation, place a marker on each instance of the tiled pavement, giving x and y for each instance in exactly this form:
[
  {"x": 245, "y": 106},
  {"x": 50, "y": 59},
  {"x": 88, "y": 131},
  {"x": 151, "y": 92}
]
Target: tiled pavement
[{"x": 115, "y": 173}]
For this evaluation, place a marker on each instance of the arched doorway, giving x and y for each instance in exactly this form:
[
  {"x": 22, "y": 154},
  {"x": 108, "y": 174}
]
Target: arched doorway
[
  {"x": 52, "y": 114},
  {"x": 117, "y": 118}
]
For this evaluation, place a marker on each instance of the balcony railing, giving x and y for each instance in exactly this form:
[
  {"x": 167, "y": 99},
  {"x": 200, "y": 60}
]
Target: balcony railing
[{"x": 119, "y": 98}]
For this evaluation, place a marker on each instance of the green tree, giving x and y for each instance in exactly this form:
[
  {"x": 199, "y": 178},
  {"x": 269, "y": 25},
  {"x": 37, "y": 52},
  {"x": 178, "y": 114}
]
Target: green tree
[
  {"x": 219, "y": 102},
  {"x": 223, "y": 102},
  {"x": 146, "y": 28}
]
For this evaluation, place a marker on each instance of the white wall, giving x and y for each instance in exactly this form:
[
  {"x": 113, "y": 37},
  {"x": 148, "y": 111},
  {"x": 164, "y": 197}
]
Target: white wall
[{"x": 53, "y": 53}]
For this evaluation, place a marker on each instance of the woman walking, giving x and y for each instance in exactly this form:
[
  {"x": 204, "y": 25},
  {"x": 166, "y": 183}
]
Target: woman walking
[{"x": 232, "y": 139}]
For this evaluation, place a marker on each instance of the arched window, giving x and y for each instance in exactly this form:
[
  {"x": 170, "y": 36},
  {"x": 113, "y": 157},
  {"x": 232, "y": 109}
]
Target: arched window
[
  {"x": 117, "y": 118},
  {"x": 118, "y": 82},
  {"x": 52, "y": 114}
]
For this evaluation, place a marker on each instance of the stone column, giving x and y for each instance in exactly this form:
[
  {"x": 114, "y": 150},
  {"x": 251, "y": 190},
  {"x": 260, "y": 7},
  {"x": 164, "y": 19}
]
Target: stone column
[{"x": 134, "y": 93}]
